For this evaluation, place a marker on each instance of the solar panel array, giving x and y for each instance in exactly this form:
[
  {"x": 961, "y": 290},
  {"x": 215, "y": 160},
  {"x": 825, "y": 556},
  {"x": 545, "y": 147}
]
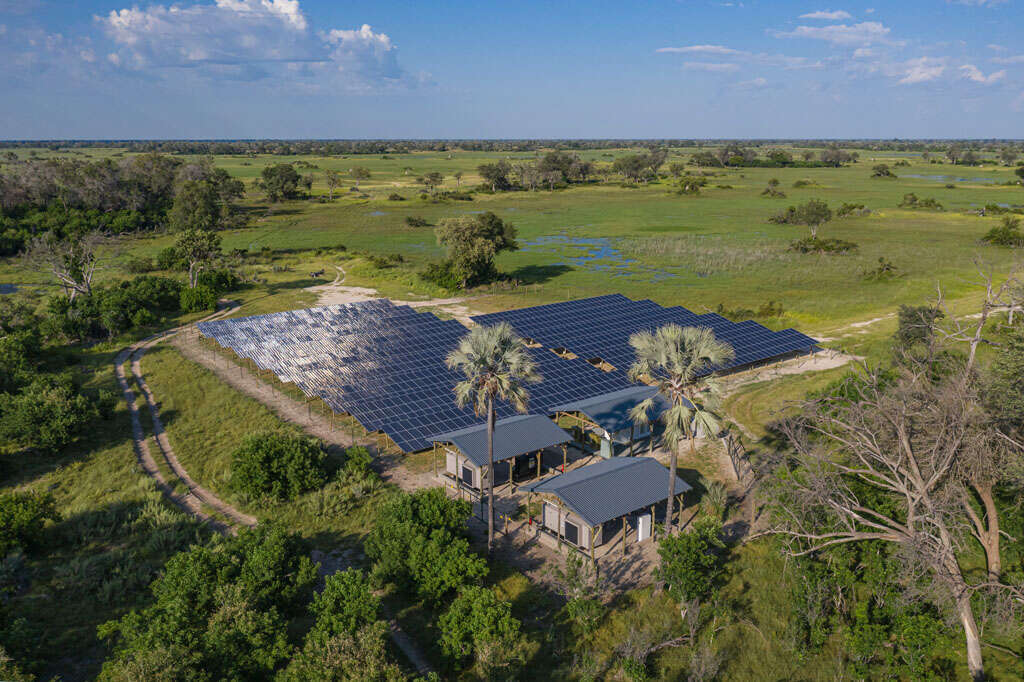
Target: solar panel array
[
  {"x": 600, "y": 327},
  {"x": 384, "y": 365}
]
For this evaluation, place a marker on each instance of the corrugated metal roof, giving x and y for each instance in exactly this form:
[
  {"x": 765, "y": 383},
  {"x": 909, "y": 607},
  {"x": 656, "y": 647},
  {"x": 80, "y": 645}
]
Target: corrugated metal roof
[
  {"x": 610, "y": 488},
  {"x": 513, "y": 436},
  {"x": 611, "y": 410}
]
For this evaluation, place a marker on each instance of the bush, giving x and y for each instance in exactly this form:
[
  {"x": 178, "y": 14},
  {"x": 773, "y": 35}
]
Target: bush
[
  {"x": 481, "y": 625},
  {"x": 137, "y": 266},
  {"x": 395, "y": 196},
  {"x": 48, "y": 413},
  {"x": 416, "y": 221},
  {"x": 220, "y": 280},
  {"x": 22, "y": 518},
  {"x": 418, "y": 542},
  {"x": 1006, "y": 234},
  {"x": 442, "y": 274},
  {"x": 361, "y": 657},
  {"x": 691, "y": 561},
  {"x": 278, "y": 466},
  {"x": 169, "y": 258},
  {"x": 910, "y": 200},
  {"x": 819, "y": 245},
  {"x": 219, "y": 611},
  {"x": 198, "y": 299},
  {"x": 849, "y": 209},
  {"x": 346, "y": 604}
]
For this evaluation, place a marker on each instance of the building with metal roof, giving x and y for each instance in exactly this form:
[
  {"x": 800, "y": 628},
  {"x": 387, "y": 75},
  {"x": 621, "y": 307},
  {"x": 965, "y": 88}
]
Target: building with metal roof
[
  {"x": 589, "y": 506},
  {"x": 608, "y": 417},
  {"x": 519, "y": 443}
]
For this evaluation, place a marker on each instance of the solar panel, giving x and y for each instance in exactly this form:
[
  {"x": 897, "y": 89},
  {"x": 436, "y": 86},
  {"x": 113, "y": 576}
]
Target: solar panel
[
  {"x": 384, "y": 363},
  {"x": 601, "y": 327}
]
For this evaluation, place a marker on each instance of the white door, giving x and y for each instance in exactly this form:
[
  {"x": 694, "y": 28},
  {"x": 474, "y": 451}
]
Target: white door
[{"x": 643, "y": 527}]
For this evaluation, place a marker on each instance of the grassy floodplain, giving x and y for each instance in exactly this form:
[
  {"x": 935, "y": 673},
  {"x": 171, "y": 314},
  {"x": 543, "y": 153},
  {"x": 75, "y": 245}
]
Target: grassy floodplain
[{"x": 644, "y": 241}]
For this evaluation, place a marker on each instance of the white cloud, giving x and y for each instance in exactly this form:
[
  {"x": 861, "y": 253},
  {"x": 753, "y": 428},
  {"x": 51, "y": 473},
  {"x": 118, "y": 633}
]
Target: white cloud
[
  {"x": 753, "y": 84},
  {"x": 922, "y": 70},
  {"x": 996, "y": 48},
  {"x": 1016, "y": 59},
  {"x": 712, "y": 67},
  {"x": 864, "y": 33},
  {"x": 700, "y": 49},
  {"x": 869, "y": 10},
  {"x": 251, "y": 40},
  {"x": 831, "y": 15},
  {"x": 973, "y": 73},
  {"x": 863, "y": 53},
  {"x": 976, "y": 3}
]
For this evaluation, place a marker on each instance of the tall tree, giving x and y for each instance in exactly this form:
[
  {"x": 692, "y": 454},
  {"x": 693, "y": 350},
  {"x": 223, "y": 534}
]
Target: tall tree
[
  {"x": 458, "y": 178},
  {"x": 198, "y": 248},
  {"x": 72, "y": 261},
  {"x": 813, "y": 214},
  {"x": 472, "y": 242},
  {"x": 889, "y": 465},
  {"x": 359, "y": 173},
  {"x": 333, "y": 180},
  {"x": 497, "y": 366},
  {"x": 280, "y": 181},
  {"x": 432, "y": 180},
  {"x": 196, "y": 207},
  {"x": 495, "y": 174},
  {"x": 679, "y": 361}
]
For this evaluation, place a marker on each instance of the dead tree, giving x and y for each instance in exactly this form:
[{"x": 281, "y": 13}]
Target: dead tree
[
  {"x": 72, "y": 261},
  {"x": 887, "y": 466},
  {"x": 1006, "y": 297}
]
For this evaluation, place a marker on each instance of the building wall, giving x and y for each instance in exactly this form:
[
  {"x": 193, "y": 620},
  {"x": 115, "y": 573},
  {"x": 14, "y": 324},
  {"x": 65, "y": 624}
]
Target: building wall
[{"x": 551, "y": 522}]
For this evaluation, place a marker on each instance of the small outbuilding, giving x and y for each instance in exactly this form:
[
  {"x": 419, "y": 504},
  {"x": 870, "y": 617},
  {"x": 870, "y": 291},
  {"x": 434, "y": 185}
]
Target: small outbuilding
[
  {"x": 591, "y": 506},
  {"x": 608, "y": 417},
  {"x": 520, "y": 443}
]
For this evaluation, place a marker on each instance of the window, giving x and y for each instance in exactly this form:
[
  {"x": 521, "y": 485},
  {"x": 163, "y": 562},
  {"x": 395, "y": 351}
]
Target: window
[
  {"x": 467, "y": 475},
  {"x": 572, "y": 533}
]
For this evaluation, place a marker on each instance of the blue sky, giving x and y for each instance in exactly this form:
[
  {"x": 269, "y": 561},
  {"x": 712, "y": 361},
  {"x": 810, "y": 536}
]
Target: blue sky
[{"x": 305, "y": 68}]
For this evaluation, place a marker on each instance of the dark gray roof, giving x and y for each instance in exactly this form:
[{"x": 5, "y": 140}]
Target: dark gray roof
[
  {"x": 512, "y": 437},
  {"x": 611, "y": 410},
  {"x": 610, "y": 488}
]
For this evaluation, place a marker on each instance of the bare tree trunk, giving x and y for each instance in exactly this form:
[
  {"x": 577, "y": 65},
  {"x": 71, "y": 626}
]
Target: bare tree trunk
[
  {"x": 987, "y": 528},
  {"x": 966, "y": 614},
  {"x": 490, "y": 476},
  {"x": 673, "y": 464}
]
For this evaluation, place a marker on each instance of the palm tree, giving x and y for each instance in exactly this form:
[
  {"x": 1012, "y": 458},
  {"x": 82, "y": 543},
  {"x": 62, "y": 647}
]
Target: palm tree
[
  {"x": 679, "y": 361},
  {"x": 497, "y": 366}
]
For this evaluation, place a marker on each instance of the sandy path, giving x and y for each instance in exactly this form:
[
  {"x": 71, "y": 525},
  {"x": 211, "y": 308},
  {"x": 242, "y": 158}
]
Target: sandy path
[
  {"x": 339, "y": 293},
  {"x": 193, "y": 501}
]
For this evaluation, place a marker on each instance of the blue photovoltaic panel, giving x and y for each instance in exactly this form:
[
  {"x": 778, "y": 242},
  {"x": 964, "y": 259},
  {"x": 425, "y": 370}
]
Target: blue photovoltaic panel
[
  {"x": 384, "y": 363},
  {"x": 600, "y": 327}
]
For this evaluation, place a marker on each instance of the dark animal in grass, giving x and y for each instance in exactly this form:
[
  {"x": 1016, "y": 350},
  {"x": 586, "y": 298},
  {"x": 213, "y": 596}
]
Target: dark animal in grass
[{"x": 315, "y": 275}]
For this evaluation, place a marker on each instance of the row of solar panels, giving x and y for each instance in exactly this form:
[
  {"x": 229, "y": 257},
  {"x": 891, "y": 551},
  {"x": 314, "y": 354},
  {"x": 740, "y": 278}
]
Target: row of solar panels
[
  {"x": 600, "y": 327},
  {"x": 384, "y": 364}
]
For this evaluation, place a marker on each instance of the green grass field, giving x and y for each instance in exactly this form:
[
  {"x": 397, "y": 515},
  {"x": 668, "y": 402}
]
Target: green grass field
[{"x": 642, "y": 241}]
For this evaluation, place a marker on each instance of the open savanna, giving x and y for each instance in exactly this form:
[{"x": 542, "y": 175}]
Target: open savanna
[{"x": 645, "y": 241}]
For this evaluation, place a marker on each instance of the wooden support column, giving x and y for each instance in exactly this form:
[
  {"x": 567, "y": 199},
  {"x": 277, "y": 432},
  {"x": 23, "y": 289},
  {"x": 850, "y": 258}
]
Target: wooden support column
[
  {"x": 434, "y": 458},
  {"x": 652, "y": 521},
  {"x": 565, "y": 458},
  {"x": 593, "y": 558},
  {"x": 538, "y": 466},
  {"x": 630, "y": 440},
  {"x": 623, "y": 536}
]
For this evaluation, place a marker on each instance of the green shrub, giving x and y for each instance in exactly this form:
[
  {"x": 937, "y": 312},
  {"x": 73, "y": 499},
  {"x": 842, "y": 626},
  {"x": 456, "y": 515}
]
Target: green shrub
[
  {"x": 278, "y": 466},
  {"x": 442, "y": 274},
  {"x": 1006, "y": 234},
  {"x": 219, "y": 611},
  {"x": 198, "y": 299},
  {"x": 395, "y": 196},
  {"x": 346, "y": 604},
  {"x": 22, "y": 518},
  {"x": 137, "y": 265},
  {"x": 220, "y": 280},
  {"x": 481, "y": 625},
  {"x": 819, "y": 245},
  {"x": 169, "y": 258},
  {"x": 48, "y": 413},
  {"x": 416, "y": 221},
  {"x": 691, "y": 562}
]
